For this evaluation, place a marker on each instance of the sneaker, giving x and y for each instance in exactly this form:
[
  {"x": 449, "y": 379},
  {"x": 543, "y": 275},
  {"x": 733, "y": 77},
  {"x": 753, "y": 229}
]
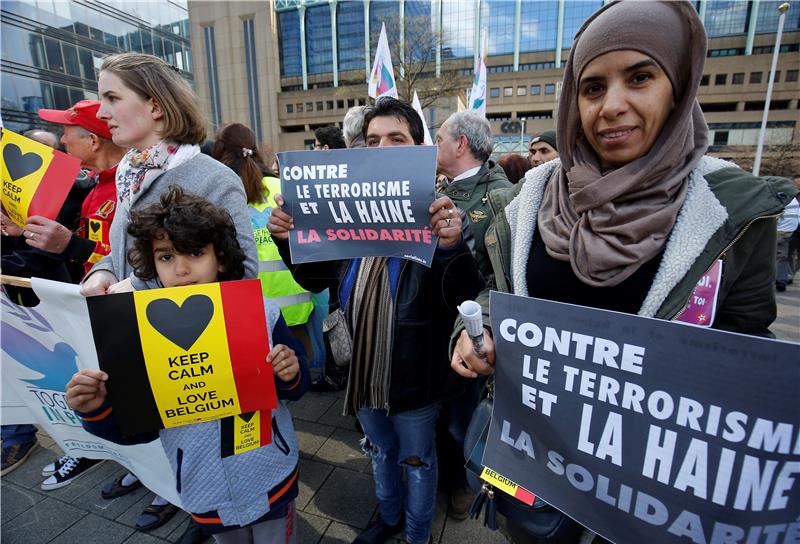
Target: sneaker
[
  {"x": 14, "y": 456},
  {"x": 379, "y": 531},
  {"x": 460, "y": 503},
  {"x": 71, "y": 469},
  {"x": 51, "y": 469}
]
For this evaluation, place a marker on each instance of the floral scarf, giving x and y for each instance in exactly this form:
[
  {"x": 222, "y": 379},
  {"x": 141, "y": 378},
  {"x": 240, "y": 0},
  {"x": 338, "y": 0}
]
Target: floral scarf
[{"x": 139, "y": 169}]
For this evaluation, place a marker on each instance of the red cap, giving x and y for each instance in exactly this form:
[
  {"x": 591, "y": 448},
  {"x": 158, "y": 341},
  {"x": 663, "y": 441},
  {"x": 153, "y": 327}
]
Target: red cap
[{"x": 82, "y": 114}]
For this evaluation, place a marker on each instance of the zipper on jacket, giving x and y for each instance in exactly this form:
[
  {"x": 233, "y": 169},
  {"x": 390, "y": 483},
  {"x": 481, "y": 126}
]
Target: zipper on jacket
[{"x": 722, "y": 253}]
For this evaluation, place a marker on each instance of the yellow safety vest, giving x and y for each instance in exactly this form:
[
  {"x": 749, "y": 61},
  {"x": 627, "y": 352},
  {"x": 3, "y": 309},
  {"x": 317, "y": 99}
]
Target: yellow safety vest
[{"x": 277, "y": 283}]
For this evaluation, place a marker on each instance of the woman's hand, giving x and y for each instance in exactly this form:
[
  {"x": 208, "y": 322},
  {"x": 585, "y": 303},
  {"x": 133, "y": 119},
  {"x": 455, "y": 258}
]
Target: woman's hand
[
  {"x": 285, "y": 364},
  {"x": 280, "y": 222},
  {"x": 446, "y": 222},
  {"x": 98, "y": 283},
  {"x": 46, "y": 234},
  {"x": 467, "y": 363},
  {"x": 86, "y": 391},
  {"x": 124, "y": 286}
]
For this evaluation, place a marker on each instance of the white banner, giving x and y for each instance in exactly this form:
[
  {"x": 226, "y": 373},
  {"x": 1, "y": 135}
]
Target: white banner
[{"x": 42, "y": 347}]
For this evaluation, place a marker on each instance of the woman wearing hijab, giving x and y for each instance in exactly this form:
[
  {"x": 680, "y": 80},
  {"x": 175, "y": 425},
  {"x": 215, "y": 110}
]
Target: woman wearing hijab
[{"x": 634, "y": 214}]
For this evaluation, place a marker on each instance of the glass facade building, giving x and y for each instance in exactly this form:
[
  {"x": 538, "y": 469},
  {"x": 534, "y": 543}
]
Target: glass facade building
[
  {"x": 51, "y": 49},
  {"x": 514, "y": 27}
]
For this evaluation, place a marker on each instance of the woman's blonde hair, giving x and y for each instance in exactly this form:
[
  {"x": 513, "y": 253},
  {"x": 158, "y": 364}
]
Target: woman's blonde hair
[{"x": 151, "y": 77}]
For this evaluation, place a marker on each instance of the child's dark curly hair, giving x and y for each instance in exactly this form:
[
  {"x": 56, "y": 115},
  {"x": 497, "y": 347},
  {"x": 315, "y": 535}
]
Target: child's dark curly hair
[{"x": 191, "y": 222}]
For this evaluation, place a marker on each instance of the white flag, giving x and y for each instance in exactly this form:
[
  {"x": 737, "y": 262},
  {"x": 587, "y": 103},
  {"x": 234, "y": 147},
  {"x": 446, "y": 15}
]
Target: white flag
[
  {"x": 418, "y": 107},
  {"x": 381, "y": 81},
  {"x": 477, "y": 97}
]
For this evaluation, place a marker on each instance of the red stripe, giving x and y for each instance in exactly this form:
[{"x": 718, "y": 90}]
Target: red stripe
[
  {"x": 525, "y": 496},
  {"x": 266, "y": 427},
  {"x": 284, "y": 489},
  {"x": 100, "y": 416},
  {"x": 246, "y": 326},
  {"x": 55, "y": 185},
  {"x": 206, "y": 520}
]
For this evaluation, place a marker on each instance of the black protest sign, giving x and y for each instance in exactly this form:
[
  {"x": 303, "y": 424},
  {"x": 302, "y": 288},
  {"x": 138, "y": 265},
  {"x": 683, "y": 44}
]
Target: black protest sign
[
  {"x": 647, "y": 430},
  {"x": 360, "y": 202}
]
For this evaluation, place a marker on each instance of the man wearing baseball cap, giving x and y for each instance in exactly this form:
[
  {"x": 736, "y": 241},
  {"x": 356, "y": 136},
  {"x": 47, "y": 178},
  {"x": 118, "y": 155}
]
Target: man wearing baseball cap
[
  {"x": 542, "y": 148},
  {"x": 87, "y": 138},
  {"x": 84, "y": 240}
]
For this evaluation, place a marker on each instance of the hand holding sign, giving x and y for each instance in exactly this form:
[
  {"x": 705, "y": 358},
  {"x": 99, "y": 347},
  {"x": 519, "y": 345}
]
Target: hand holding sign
[
  {"x": 47, "y": 235},
  {"x": 280, "y": 222},
  {"x": 86, "y": 391},
  {"x": 446, "y": 222},
  {"x": 285, "y": 364}
]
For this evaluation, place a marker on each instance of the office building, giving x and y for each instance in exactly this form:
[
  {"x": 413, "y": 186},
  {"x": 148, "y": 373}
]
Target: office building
[{"x": 51, "y": 48}]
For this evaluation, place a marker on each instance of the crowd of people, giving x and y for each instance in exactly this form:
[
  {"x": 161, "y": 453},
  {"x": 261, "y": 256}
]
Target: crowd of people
[{"x": 618, "y": 208}]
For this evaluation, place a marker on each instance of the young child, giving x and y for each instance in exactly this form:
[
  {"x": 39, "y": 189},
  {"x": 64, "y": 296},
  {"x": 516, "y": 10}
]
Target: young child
[{"x": 185, "y": 240}]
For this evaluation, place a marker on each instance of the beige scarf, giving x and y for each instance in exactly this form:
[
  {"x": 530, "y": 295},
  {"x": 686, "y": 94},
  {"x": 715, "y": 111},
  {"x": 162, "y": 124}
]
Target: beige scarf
[
  {"x": 608, "y": 224},
  {"x": 372, "y": 316}
]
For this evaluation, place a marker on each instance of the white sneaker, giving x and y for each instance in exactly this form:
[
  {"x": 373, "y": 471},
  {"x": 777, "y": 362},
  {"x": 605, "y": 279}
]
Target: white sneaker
[
  {"x": 71, "y": 469},
  {"x": 51, "y": 469}
]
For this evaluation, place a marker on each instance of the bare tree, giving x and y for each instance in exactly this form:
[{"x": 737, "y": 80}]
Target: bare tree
[{"x": 415, "y": 70}]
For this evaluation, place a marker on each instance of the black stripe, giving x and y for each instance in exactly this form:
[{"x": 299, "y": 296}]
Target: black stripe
[
  {"x": 119, "y": 352},
  {"x": 226, "y": 428}
]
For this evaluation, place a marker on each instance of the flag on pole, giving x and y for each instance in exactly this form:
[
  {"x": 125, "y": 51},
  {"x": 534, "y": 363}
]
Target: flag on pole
[
  {"x": 477, "y": 97},
  {"x": 418, "y": 107},
  {"x": 381, "y": 81}
]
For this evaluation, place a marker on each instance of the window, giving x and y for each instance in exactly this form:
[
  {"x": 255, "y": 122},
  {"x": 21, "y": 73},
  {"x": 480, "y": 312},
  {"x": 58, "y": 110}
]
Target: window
[
  {"x": 248, "y": 28},
  {"x": 791, "y": 75},
  {"x": 536, "y": 90},
  {"x": 777, "y": 77},
  {"x": 704, "y": 80},
  {"x": 289, "y": 108},
  {"x": 339, "y": 104},
  {"x": 309, "y": 106},
  {"x": 508, "y": 91},
  {"x": 350, "y": 35},
  {"x": 211, "y": 69},
  {"x": 71, "y": 60},
  {"x": 329, "y": 104},
  {"x": 721, "y": 137},
  {"x": 738, "y": 79},
  {"x": 755, "y": 77},
  {"x": 54, "y": 59},
  {"x": 289, "y": 39},
  {"x": 319, "y": 106},
  {"x": 721, "y": 79},
  {"x": 299, "y": 108},
  {"x": 350, "y": 102},
  {"x": 494, "y": 92},
  {"x": 318, "y": 39},
  {"x": 550, "y": 88},
  {"x": 522, "y": 91}
]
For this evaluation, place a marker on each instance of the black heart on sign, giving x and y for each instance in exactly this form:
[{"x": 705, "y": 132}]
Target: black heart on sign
[
  {"x": 20, "y": 164},
  {"x": 94, "y": 226},
  {"x": 181, "y": 325},
  {"x": 247, "y": 417}
]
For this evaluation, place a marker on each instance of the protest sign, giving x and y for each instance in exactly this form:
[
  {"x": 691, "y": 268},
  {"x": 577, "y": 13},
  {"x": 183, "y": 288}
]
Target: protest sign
[
  {"x": 646, "y": 430},
  {"x": 36, "y": 178},
  {"x": 42, "y": 348},
  {"x": 183, "y": 355},
  {"x": 360, "y": 202}
]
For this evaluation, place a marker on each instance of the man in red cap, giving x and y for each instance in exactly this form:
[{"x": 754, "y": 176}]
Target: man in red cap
[{"x": 87, "y": 138}]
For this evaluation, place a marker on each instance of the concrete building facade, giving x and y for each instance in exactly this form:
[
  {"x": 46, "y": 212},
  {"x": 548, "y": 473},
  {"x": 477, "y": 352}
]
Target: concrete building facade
[{"x": 285, "y": 67}]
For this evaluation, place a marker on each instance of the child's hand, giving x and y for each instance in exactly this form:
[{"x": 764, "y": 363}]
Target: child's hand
[
  {"x": 86, "y": 391},
  {"x": 284, "y": 362},
  {"x": 124, "y": 286}
]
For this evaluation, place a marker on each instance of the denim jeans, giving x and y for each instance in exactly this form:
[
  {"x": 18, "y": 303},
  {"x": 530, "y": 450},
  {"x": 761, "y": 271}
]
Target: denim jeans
[
  {"x": 17, "y": 434},
  {"x": 404, "y": 443}
]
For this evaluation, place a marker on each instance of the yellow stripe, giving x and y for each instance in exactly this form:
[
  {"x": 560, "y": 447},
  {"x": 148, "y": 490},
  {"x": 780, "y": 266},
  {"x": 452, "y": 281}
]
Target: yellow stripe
[
  {"x": 18, "y": 194},
  {"x": 499, "y": 481},
  {"x": 246, "y": 434},
  {"x": 194, "y": 385}
]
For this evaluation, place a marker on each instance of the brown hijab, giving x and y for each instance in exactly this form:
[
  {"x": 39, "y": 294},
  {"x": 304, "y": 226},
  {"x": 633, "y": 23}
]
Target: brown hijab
[{"x": 609, "y": 224}]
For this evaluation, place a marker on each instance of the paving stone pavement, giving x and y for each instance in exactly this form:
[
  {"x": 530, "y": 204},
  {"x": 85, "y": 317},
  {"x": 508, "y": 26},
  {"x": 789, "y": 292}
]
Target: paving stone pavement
[{"x": 336, "y": 497}]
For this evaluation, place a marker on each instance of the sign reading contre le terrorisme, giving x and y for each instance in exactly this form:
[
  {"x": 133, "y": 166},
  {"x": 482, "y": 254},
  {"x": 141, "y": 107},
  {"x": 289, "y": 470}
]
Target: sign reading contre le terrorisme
[
  {"x": 184, "y": 355},
  {"x": 645, "y": 430},
  {"x": 365, "y": 202}
]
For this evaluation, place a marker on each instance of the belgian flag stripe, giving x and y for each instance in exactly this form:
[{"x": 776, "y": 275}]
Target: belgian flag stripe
[
  {"x": 54, "y": 186},
  {"x": 116, "y": 337},
  {"x": 245, "y": 324}
]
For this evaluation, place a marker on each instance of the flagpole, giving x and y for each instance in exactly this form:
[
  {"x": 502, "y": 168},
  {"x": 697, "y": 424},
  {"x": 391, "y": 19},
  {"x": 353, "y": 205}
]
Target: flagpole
[{"x": 783, "y": 8}]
